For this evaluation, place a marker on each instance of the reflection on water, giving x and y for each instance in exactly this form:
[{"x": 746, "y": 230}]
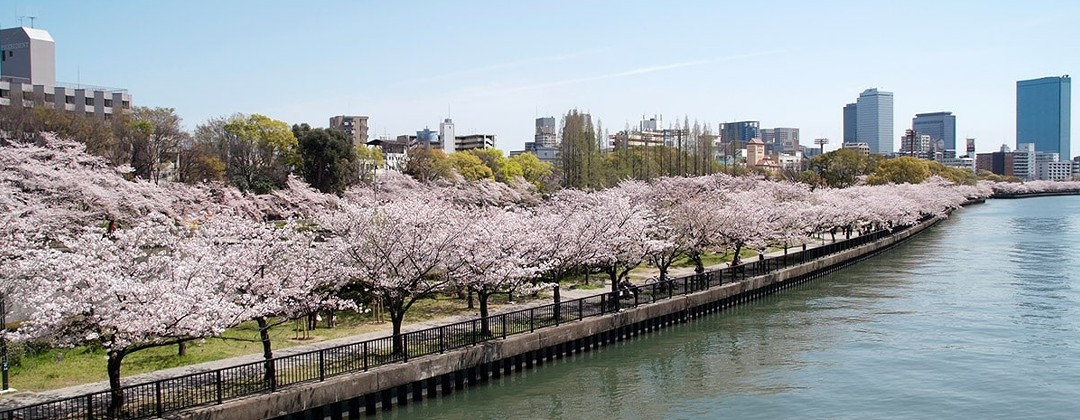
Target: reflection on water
[{"x": 976, "y": 318}]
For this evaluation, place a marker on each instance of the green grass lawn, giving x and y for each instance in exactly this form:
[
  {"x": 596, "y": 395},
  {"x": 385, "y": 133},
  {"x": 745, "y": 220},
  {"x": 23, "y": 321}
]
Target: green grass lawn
[{"x": 58, "y": 368}]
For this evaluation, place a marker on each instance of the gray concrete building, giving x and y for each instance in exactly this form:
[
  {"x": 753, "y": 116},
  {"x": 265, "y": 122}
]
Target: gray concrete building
[
  {"x": 781, "y": 139},
  {"x": 474, "y": 141},
  {"x": 446, "y": 135},
  {"x": 940, "y": 126},
  {"x": 28, "y": 78},
  {"x": 546, "y": 132},
  {"x": 354, "y": 126}
]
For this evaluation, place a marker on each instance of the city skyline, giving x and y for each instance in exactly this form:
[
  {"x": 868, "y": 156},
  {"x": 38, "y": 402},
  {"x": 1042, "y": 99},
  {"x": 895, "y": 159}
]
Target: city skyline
[{"x": 301, "y": 64}]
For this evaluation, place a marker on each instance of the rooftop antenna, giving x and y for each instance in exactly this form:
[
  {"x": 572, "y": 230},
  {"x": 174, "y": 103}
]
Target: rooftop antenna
[{"x": 31, "y": 20}]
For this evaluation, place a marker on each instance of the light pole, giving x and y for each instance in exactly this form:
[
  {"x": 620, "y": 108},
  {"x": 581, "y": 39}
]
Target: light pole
[{"x": 3, "y": 342}]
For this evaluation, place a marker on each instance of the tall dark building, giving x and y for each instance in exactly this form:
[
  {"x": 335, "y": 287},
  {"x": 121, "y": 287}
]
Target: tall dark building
[
  {"x": 851, "y": 125},
  {"x": 1043, "y": 108},
  {"x": 740, "y": 131},
  {"x": 940, "y": 126}
]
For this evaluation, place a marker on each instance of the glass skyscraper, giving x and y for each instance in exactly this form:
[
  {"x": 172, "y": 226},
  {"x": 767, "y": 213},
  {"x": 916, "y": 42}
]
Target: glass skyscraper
[
  {"x": 940, "y": 126},
  {"x": 851, "y": 124},
  {"x": 1043, "y": 111},
  {"x": 874, "y": 120}
]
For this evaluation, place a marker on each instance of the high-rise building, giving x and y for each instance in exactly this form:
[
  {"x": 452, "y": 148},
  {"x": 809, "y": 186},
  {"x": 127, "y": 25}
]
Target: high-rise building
[
  {"x": 546, "y": 132},
  {"x": 740, "y": 131},
  {"x": 874, "y": 120},
  {"x": 28, "y": 78},
  {"x": 355, "y": 127},
  {"x": 446, "y": 134},
  {"x": 781, "y": 139},
  {"x": 851, "y": 125},
  {"x": 940, "y": 126},
  {"x": 1043, "y": 108}
]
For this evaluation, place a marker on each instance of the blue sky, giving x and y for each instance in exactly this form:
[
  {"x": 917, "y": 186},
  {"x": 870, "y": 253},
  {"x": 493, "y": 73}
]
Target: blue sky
[{"x": 494, "y": 66}]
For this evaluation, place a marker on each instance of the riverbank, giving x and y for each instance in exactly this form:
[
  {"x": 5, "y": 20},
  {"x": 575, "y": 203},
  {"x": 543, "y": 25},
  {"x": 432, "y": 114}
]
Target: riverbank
[
  {"x": 587, "y": 325},
  {"x": 1034, "y": 194}
]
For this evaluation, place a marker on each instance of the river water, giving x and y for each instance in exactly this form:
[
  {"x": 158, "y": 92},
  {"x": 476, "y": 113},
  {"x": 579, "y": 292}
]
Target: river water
[{"x": 978, "y": 317}]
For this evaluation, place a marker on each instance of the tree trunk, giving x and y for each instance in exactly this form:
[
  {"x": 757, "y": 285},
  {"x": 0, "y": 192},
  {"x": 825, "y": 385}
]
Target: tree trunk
[
  {"x": 699, "y": 266},
  {"x": 613, "y": 275},
  {"x": 181, "y": 348},
  {"x": 470, "y": 299},
  {"x": 485, "y": 325},
  {"x": 398, "y": 345},
  {"x": 116, "y": 394},
  {"x": 737, "y": 258},
  {"x": 270, "y": 376}
]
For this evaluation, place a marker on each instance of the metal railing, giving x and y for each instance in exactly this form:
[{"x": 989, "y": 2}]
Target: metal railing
[{"x": 216, "y": 386}]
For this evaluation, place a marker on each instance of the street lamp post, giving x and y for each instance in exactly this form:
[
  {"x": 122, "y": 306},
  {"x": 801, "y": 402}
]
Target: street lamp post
[{"x": 3, "y": 343}]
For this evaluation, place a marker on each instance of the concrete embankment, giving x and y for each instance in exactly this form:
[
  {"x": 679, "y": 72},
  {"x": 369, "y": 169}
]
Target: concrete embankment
[
  {"x": 1035, "y": 194},
  {"x": 427, "y": 377}
]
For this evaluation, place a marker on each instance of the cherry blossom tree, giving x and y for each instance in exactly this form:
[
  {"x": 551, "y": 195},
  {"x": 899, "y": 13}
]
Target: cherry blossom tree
[
  {"x": 498, "y": 252},
  {"x": 276, "y": 273},
  {"x": 399, "y": 250},
  {"x": 624, "y": 236},
  {"x": 138, "y": 288}
]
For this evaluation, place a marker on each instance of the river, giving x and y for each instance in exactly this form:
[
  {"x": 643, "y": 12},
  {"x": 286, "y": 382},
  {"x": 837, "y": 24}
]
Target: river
[{"x": 978, "y": 317}]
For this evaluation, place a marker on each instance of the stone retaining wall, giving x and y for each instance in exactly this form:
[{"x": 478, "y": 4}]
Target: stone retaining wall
[{"x": 430, "y": 376}]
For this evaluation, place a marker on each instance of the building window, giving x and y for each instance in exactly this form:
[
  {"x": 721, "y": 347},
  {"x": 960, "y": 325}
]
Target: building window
[
  {"x": 108, "y": 103},
  {"x": 3, "y": 93},
  {"x": 89, "y": 114},
  {"x": 126, "y": 104},
  {"x": 69, "y": 99},
  {"x": 28, "y": 96},
  {"x": 90, "y": 101},
  {"x": 50, "y": 98}
]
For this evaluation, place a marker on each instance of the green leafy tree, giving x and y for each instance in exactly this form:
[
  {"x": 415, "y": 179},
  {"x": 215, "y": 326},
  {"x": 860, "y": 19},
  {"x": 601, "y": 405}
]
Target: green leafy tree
[
  {"x": 502, "y": 168},
  {"x": 902, "y": 170},
  {"x": 427, "y": 164},
  {"x": 534, "y": 170},
  {"x": 579, "y": 152},
  {"x": 956, "y": 175},
  {"x": 156, "y": 140},
  {"x": 259, "y": 151},
  {"x": 368, "y": 159},
  {"x": 841, "y": 168},
  {"x": 327, "y": 157},
  {"x": 470, "y": 167}
]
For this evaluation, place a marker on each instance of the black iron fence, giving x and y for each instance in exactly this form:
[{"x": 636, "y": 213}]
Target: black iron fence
[{"x": 213, "y": 387}]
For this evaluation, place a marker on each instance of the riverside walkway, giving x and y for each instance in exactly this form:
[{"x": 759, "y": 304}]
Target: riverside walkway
[{"x": 66, "y": 402}]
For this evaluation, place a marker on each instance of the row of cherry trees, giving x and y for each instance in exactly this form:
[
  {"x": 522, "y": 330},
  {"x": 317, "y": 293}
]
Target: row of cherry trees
[{"x": 91, "y": 257}]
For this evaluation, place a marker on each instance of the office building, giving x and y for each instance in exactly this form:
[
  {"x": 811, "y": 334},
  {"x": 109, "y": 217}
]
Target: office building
[
  {"x": 740, "y": 131},
  {"x": 874, "y": 120},
  {"x": 546, "y": 132},
  {"x": 1043, "y": 108},
  {"x": 355, "y": 127},
  {"x": 940, "y": 126},
  {"x": 28, "y": 78},
  {"x": 851, "y": 126},
  {"x": 781, "y": 139}
]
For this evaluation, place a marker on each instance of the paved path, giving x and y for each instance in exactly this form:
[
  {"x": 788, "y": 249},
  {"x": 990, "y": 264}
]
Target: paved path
[{"x": 23, "y": 398}]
